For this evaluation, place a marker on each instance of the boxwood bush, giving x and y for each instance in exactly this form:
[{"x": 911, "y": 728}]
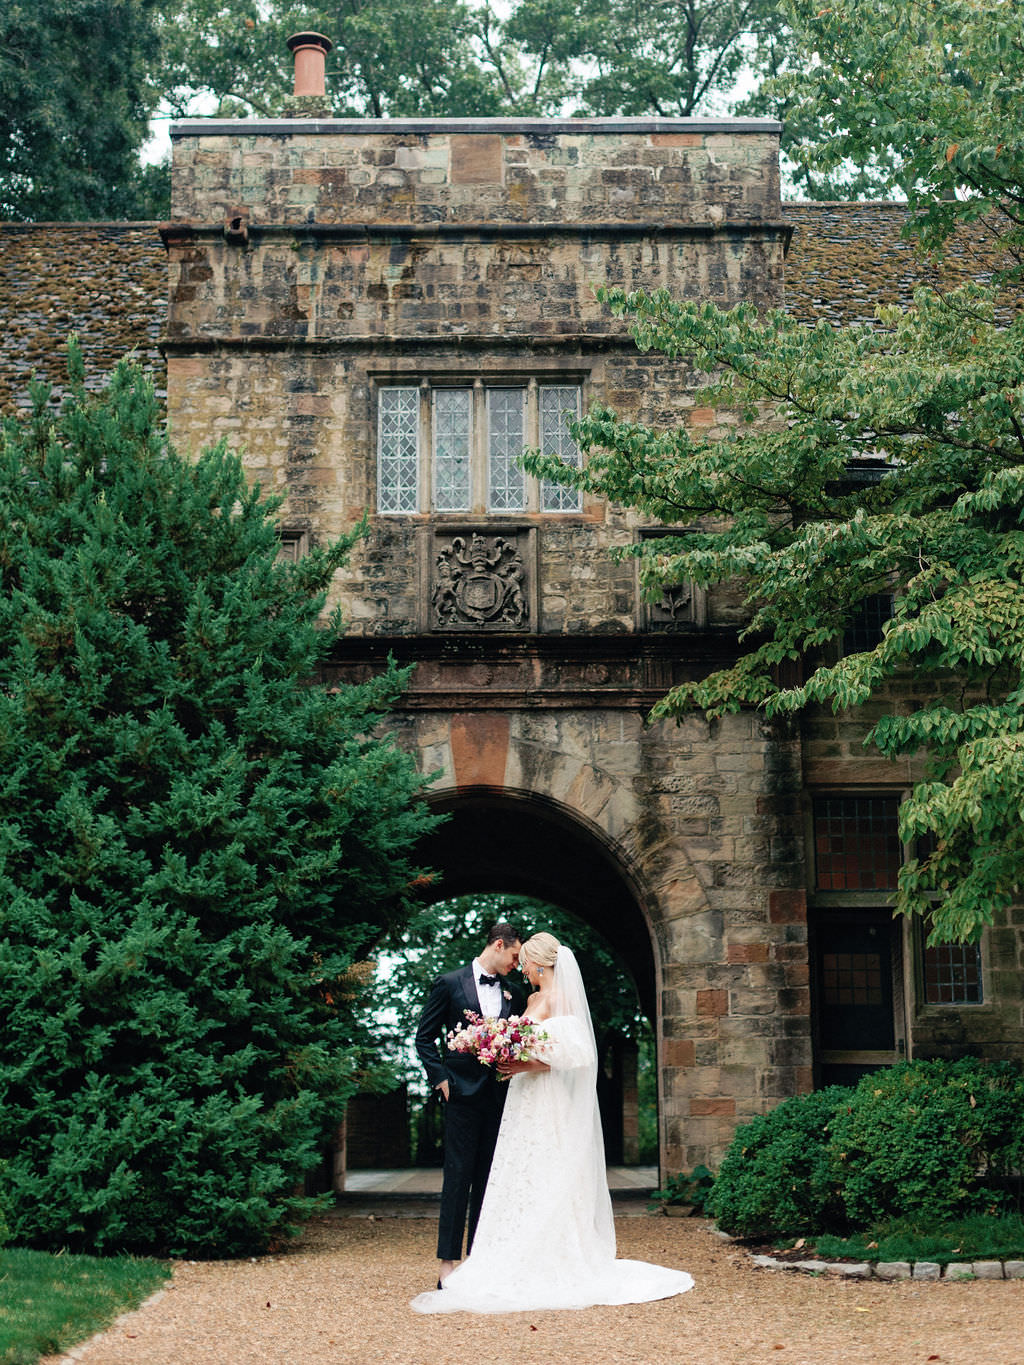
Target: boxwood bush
[
  {"x": 778, "y": 1176},
  {"x": 924, "y": 1139},
  {"x": 927, "y": 1141}
]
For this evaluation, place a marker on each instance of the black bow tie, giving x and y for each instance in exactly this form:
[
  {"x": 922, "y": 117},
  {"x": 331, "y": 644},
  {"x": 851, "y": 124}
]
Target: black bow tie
[{"x": 488, "y": 980}]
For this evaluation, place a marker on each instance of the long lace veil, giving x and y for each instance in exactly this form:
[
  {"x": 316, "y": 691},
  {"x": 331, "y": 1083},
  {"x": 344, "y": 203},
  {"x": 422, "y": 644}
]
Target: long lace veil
[
  {"x": 577, "y": 1110},
  {"x": 571, "y": 997}
]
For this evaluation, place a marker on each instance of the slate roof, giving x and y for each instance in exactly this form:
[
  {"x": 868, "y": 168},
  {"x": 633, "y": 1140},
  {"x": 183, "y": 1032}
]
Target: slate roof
[
  {"x": 846, "y": 259},
  {"x": 108, "y": 283}
]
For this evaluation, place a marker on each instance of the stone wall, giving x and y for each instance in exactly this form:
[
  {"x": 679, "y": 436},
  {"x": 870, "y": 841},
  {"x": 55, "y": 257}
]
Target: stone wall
[
  {"x": 504, "y": 171},
  {"x": 311, "y": 263}
]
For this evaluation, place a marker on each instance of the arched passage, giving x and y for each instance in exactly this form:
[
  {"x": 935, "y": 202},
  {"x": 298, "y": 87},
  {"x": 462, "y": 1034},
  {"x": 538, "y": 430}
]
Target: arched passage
[{"x": 501, "y": 840}]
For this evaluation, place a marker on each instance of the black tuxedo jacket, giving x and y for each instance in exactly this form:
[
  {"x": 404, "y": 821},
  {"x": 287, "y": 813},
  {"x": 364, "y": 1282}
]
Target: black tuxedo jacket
[{"x": 450, "y": 996}]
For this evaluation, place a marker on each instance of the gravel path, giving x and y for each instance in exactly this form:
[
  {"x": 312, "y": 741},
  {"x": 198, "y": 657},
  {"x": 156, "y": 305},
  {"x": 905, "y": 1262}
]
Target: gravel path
[{"x": 340, "y": 1297}]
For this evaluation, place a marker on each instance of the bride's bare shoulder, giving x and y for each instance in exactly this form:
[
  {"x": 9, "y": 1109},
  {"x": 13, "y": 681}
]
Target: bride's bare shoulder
[{"x": 535, "y": 1008}]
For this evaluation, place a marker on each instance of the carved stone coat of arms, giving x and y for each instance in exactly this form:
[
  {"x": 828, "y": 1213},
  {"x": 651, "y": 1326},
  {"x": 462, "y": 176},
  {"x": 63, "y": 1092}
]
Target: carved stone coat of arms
[{"x": 478, "y": 582}]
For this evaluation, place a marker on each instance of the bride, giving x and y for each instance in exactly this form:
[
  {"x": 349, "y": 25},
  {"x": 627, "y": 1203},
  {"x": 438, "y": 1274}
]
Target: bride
[{"x": 546, "y": 1238}]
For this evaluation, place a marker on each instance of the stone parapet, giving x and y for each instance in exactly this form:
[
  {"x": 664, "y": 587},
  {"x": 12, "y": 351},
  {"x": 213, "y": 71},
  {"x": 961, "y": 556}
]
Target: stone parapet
[{"x": 494, "y": 170}]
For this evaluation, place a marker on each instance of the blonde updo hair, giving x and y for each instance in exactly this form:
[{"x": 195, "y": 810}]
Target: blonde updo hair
[{"x": 540, "y": 950}]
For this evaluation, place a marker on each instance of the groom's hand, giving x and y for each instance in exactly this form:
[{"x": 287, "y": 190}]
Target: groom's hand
[{"x": 443, "y": 1089}]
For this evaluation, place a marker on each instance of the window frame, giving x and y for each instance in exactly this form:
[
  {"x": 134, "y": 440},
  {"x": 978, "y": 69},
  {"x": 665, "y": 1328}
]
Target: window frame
[{"x": 479, "y": 444}]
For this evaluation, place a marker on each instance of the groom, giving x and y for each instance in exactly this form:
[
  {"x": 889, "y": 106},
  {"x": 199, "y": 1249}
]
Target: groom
[{"x": 471, "y": 1093}]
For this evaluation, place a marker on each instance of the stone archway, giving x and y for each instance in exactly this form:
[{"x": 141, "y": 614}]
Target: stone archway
[
  {"x": 664, "y": 838},
  {"x": 503, "y": 840},
  {"x": 519, "y": 842}
]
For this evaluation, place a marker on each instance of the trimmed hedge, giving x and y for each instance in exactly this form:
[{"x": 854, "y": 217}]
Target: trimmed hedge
[
  {"x": 777, "y": 1175},
  {"x": 922, "y": 1140}
]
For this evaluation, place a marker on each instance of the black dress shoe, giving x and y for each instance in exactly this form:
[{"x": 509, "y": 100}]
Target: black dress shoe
[{"x": 440, "y": 1285}]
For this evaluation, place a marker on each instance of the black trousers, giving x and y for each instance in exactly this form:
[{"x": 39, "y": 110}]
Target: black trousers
[{"x": 470, "y": 1132}]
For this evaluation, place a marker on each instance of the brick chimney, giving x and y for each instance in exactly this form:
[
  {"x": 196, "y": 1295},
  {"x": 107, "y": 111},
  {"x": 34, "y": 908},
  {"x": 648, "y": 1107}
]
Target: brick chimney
[{"x": 309, "y": 98}]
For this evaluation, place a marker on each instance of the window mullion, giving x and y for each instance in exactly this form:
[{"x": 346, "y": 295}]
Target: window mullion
[
  {"x": 426, "y": 446},
  {"x": 479, "y": 438},
  {"x": 533, "y": 440}
]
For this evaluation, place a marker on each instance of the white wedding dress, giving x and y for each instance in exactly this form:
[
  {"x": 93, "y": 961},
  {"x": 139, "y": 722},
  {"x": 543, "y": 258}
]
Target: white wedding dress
[{"x": 546, "y": 1238}]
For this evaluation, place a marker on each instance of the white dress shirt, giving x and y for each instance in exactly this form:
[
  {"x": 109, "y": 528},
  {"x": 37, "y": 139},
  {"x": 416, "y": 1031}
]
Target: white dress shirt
[{"x": 489, "y": 996}]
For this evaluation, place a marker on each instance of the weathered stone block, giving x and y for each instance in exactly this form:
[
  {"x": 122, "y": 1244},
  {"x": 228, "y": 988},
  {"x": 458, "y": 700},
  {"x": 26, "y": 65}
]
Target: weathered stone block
[
  {"x": 927, "y": 1270},
  {"x": 988, "y": 1270},
  {"x": 713, "y": 1002},
  {"x": 959, "y": 1270}
]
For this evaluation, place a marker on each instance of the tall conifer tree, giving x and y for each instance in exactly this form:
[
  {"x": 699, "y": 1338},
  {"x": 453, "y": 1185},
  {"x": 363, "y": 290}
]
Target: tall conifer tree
[{"x": 197, "y": 843}]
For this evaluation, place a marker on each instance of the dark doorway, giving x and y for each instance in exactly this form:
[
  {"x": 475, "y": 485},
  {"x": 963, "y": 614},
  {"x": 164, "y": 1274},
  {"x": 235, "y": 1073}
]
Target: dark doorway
[{"x": 856, "y": 960}]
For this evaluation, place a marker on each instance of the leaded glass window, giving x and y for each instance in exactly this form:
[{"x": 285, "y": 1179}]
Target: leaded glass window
[
  {"x": 398, "y": 423},
  {"x": 867, "y": 625},
  {"x": 456, "y": 448},
  {"x": 506, "y": 411},
  {"x": 452, "y": 412},
  {"x": 558, "y": 405},
  {"x": 856, "y": 843},
  {"x": 952, "y": 974}
]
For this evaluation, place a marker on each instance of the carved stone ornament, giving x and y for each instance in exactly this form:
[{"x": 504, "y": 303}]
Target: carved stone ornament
[
  {"x": 478, "y": 582},
  {"x": 675, "y": 603},
  {"x": 681, "y": 606}
]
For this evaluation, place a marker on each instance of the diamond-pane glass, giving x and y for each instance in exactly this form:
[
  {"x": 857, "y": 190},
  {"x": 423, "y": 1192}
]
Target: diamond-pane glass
[
  {"x": 506, "y": 483},
  {"x": 555, "y": 440},
  {"x": 452, "y": 409},
  {"x": 397, "y": 443}
]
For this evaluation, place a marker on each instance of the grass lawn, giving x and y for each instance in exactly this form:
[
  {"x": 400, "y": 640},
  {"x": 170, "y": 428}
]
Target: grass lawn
[
  {"x": 48, "y": 1303},
  {"x": 980, "y": 1238}
]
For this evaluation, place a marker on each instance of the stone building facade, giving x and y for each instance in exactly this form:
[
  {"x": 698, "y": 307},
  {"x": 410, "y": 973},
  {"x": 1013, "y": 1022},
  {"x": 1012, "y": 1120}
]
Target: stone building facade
[{"x": 379, "y": 316}]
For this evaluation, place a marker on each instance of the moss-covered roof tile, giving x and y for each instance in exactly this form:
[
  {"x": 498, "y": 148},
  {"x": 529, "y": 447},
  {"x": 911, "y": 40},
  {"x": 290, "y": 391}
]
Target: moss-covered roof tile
[{"x": 107, "y": 282}]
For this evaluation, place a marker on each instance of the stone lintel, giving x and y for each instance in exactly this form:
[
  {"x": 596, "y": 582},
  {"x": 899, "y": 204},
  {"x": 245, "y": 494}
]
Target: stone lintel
[{"x": 469, "y": 672}]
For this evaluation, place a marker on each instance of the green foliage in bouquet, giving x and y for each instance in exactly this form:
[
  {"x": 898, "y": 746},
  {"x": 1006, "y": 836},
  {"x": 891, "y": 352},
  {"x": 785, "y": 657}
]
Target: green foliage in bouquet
[
  {"x": 777, "y": 1175},
  {"x": 198, "y": 844}
]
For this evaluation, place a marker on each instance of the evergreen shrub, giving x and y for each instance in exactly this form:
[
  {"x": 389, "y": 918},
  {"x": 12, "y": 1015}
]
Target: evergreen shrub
[
  {"x": 777, "y": 1176},
  {"x": 923, "y": 1142},
  {"x": 924, "y": 1139},
  {"x": 5, "y": 1231},
  {"x": 198, "y": 844}
]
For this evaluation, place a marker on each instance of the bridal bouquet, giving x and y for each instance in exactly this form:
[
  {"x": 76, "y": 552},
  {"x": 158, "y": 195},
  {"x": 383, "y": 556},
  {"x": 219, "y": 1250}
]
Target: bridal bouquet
[{"x": 490, "y": 1041}]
